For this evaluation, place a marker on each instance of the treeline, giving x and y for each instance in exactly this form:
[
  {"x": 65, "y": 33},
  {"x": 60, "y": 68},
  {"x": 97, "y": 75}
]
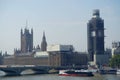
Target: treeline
[{"x": 115, "y": 61}]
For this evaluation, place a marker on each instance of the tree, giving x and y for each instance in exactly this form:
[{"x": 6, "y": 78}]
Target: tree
[{"x": 115, "y": 61}]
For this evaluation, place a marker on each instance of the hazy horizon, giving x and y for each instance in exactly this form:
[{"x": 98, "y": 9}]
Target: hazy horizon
[{"x": 64, "y": 21}]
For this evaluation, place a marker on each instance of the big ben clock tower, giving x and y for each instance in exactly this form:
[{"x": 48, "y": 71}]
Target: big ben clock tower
[{"x": 95, "y": 35}]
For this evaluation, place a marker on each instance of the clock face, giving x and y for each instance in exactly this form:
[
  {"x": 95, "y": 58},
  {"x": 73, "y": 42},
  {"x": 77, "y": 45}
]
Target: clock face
[
  {"x": 93, "y": 34},
  {"x": 99, "y": 33}
]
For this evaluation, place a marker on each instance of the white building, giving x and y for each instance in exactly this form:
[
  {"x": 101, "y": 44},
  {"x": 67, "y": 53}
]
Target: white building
[
  {"x": 41, "y": 54},
  {"x": 115, "y": 48},
  {"x": 58, "y": 47}
]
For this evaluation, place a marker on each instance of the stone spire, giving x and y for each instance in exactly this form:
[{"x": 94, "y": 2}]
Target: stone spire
[{"x": 43, "y": 43}]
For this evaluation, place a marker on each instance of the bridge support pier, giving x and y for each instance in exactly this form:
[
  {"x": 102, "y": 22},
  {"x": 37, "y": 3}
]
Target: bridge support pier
[
  {"x": 40, "y": 71},
  {"x": 12, "y": 72}
]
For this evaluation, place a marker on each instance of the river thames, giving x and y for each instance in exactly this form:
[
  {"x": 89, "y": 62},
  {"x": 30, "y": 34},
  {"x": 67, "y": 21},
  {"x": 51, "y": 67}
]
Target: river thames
[{"x": 57, "y": 77}]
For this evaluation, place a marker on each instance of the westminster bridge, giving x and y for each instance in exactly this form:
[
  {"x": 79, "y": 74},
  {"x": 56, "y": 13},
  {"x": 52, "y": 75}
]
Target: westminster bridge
[{"x": 15, "y": 70}]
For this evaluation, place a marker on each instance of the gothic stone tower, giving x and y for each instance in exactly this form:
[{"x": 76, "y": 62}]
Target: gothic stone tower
[
  {"x": 43, "y": 43},
  {"x": 26, "y": 40},
  {"x": 95, "y": 35}
]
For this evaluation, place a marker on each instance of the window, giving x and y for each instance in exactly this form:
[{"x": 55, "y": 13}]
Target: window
[{"x": 93, "y": 34}]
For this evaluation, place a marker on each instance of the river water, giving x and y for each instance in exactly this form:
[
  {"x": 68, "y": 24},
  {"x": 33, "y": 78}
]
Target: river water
[{"x": 57, "y": 77}]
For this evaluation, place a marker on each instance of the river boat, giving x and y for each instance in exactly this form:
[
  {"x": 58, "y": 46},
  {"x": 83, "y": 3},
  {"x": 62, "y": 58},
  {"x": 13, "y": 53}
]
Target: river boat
[
  {"x": 118, "y": 71},
  {"x": 111, "y": 71},
  {"x": 75, "y": 73}
]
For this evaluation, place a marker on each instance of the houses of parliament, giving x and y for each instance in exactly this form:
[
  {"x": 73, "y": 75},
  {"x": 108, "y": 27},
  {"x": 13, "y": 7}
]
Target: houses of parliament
[
  {"x": 61, "y": 55},
  {"x": 27, "y": 43},
  {"x": 50, "y": 55}
]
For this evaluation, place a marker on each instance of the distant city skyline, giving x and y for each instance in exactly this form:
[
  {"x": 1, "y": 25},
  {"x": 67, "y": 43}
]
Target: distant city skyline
[{"x": 64, "y": 21}]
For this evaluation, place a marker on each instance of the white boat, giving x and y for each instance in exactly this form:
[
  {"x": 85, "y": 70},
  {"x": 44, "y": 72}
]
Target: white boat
[
  {"x": 75, "y": 73},
  {"x": 118, "y": 71}
]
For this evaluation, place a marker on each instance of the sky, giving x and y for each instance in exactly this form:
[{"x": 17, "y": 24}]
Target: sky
[{"x": 64, "y": 21}]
